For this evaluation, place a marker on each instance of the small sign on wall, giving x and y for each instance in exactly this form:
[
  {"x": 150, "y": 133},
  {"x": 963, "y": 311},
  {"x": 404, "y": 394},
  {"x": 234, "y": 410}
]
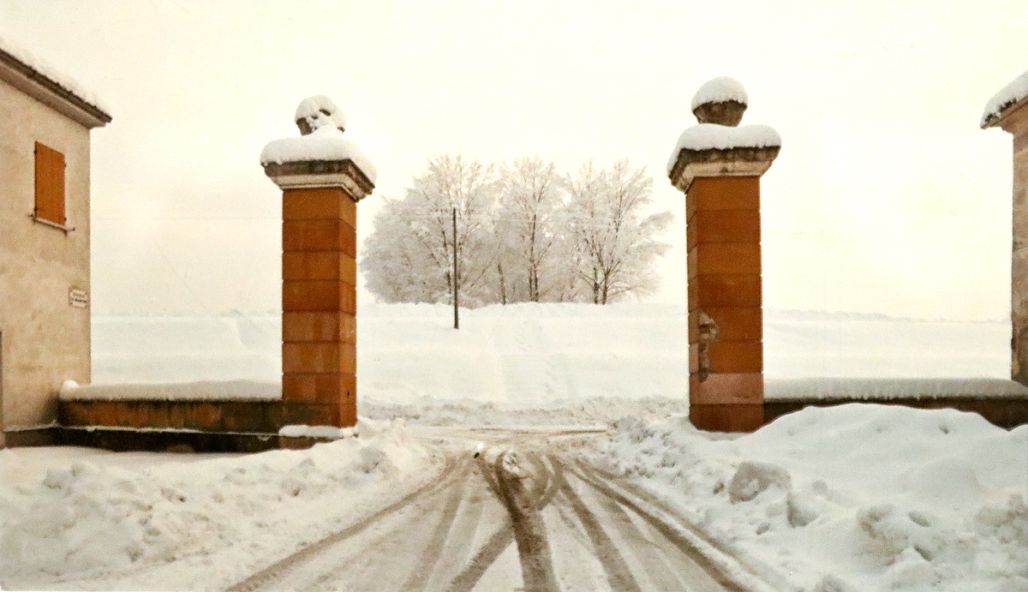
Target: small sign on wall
[{"x": 78, "y": 298}]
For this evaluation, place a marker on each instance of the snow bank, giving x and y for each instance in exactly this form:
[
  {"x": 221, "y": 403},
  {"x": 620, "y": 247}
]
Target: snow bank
[
  {"x": 216, "y": 519},
  {"x": 712, "y": 136},
  {"x": 1007, "y": 96},
  {"x": 324, "y": 143},
  {"x": 855, "y": 497},
  {"x": 718, "y": 90},
  {"x": 240, "y": 390},
  {"x": 54, "y": 74}
]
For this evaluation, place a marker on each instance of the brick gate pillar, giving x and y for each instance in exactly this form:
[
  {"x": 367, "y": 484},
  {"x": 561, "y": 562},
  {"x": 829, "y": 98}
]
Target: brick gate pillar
[
  {"x": 718, "y": 167},
  {"x": 322, "y": 176}
]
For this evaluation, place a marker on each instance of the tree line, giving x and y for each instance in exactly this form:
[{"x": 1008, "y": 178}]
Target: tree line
[{"x": 525, "y": 233}]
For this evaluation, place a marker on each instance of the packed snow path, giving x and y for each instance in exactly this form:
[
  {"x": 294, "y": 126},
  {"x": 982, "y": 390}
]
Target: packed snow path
[{"x": 520, "y": 514}]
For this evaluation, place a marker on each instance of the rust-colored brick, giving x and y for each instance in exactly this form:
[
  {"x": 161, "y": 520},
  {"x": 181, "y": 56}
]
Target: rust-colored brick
[
  {"x": 723, "y": 226},
  {"x": 319, "y": 295},
  {"x": 319, "y": 303},
  {"x": 727, "y": 418},
  {"x": 722, "y": 193},
  {"x": 319, "y": 326},
  {"x": 319, "y": 265},
  {"x": 318, "y": 204},
  {"x": 726, "y": 388},
  {"x": 724, "y": 259},
  {"x": 725, "y": 291},
  {"x": 726, "y": 381}
]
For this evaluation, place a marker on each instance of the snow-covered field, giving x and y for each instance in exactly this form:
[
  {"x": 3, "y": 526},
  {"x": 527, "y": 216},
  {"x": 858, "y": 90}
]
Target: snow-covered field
[
  {"x": 531, "y": 355},
  {"x": 850, "y": 498}
]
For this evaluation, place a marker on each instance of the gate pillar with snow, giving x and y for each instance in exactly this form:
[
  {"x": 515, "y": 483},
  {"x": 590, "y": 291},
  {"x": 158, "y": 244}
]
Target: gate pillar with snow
[
  {"x": 718, "y": 166},
  {"x": 1008, "y": 109},
  {"x": 322, "y": 176}
]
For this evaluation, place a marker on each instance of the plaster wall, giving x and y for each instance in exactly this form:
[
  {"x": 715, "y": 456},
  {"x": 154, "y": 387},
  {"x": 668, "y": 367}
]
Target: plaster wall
[
  {"x": 44, "y": 339},
  {"x": 1017, "y": 124}
]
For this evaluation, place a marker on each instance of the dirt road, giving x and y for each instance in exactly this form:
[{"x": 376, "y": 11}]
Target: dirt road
[{"x": 524, "y": 514}]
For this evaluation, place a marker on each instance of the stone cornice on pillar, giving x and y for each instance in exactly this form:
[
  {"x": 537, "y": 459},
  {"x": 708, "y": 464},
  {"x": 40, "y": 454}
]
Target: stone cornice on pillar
[
  {"x": 313, "y": 174},
  {"x": 718, "y": 147},
  {"x": 729, "y": 162}
]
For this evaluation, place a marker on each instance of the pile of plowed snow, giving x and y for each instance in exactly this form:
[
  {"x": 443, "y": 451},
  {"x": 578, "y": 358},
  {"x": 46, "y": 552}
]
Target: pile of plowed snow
[
  {"x": 101, "y": 517},
  {"x": 850, "y": 498}
]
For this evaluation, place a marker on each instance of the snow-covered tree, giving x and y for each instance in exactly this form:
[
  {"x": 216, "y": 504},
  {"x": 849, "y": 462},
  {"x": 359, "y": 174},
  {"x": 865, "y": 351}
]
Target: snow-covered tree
[
  {"x": 614, "y": 244},
  {"x": 527, "y": 235},
  {"x": 396, "y": 268},
  {"x": 417, "y": 239},
  {"x": 530, "y": 200}
]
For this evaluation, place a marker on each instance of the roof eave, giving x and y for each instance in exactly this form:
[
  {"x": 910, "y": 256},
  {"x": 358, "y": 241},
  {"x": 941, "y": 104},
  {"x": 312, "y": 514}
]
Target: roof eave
[
  {"x": 1003, "y": 117},
  {"x": 47, "y": 91}
]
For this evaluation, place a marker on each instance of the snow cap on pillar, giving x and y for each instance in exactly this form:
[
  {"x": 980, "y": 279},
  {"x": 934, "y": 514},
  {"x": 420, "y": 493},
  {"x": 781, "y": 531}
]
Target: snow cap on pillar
[
  {"x": 321, "y": 156},
  {"x": 717, "y": 146},
  {"x": 720, "y": 100},
  {"x": 314, "y": 112}
]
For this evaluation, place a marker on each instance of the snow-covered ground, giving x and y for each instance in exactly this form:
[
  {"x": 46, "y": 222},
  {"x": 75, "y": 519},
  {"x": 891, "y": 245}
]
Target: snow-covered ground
[
  {"x": 845, "y": 499},
  {"x": 532, "y": 355},
  {"x": 850, "y": 498},
  {"x": 73, "y": 518}
]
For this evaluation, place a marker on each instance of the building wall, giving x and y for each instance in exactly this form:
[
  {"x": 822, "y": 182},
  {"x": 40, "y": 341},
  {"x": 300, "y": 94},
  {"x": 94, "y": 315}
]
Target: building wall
[
  {"x": 44, "y": 339},
  {"x": 1017, "y": 124}
]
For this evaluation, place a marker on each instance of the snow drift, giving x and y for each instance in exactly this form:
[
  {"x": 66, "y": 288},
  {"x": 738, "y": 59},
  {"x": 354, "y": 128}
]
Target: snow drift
[
  {"x": 855, "y": 497},
  {"x": 90, "y": 518}
]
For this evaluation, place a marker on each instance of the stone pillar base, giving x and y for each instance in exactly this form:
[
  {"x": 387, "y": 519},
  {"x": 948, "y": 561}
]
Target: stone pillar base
[{"x": 727, "y": 418}]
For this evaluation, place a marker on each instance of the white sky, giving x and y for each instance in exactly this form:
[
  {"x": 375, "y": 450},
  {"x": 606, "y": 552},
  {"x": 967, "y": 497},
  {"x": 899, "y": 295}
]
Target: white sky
[{"x": 886, "y": 196}]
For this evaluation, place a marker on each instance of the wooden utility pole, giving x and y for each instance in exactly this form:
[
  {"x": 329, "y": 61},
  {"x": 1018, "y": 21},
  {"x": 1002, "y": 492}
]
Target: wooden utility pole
[{"x": 456, "y": 291}]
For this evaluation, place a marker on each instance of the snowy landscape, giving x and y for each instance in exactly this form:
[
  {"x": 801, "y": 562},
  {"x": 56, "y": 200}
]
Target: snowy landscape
[
  {"x": 503, "y": 164},
  {"x": 818, "y": 500}
]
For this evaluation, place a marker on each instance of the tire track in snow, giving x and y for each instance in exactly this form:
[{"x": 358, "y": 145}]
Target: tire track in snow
[
  {"x": 281, "y": 568},
  {"x": 716, "y": 570},
  {"x": 619, "y": 576},
  {"x": 422, "y": 573},
  {"x": 478, "y": 510},
  {"x": 753, "y": 568},
  {"x": 529, "y": 530},
  {"x": 646, "y": 552}
]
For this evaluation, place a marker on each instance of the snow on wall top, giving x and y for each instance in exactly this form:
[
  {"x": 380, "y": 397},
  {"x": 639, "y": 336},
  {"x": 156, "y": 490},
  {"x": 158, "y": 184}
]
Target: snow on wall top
[
  {"x": 723, "y": 88},
  {"x": 711, "y": 136},
  {"x": 236, "y": 390},
  {"x": 318, "y": 111},
  {"x": 1007, "y": 96},
  {"x": 52, "y": 74}
]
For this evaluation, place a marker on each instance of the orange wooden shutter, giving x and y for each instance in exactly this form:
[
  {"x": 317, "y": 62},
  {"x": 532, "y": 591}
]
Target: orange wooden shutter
[{"x": 49, "y": 184}]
